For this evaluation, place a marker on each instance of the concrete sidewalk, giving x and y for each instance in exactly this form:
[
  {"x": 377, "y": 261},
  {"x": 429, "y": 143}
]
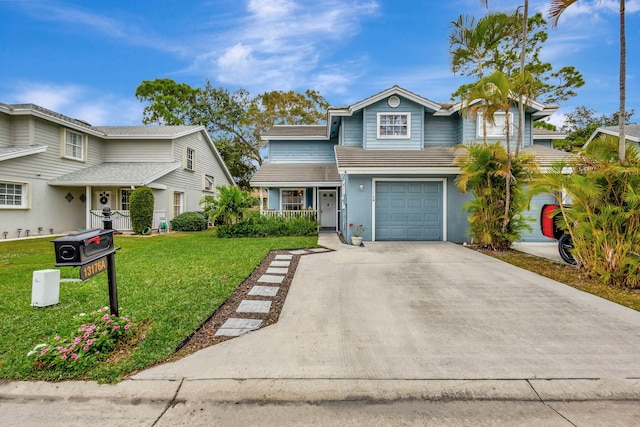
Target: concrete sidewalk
[{"x": 380, "y": 328}]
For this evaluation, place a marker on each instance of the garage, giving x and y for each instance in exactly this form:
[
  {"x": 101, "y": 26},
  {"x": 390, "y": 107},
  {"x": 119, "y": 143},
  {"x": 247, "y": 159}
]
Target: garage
[{"x": 409, "y": 210}]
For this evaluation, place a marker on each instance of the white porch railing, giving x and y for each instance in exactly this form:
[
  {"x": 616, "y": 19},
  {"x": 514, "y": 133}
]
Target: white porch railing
[
  {"x": 122, "y": 221},
  {"x": 290, "y": 214}
]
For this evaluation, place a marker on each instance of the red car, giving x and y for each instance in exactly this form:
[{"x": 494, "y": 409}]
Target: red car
[{"x": 548, "y": 223}]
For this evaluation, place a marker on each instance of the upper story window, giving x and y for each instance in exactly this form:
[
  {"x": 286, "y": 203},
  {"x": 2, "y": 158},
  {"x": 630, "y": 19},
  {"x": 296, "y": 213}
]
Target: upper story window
[
  {"x": 209, "y": 183},
  {"x": 13, "y": 195},
  {"x": 190, "y": 159},
  {"x": 499, "y": 128},
  {"x": 394, "y": 125},
  {"x": 74, "y": 145}
]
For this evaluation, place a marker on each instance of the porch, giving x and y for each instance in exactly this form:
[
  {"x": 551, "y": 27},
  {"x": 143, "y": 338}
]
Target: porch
[{"x": 122, "y": 219}]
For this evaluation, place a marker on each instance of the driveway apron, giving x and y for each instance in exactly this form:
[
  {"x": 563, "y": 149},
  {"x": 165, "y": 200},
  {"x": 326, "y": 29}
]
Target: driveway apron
[{"x": 400, "y": 310}]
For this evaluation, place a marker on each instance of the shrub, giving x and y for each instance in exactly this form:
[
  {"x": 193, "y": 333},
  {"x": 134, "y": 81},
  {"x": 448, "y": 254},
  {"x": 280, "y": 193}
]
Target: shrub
[
  {"x": 141, "y": 204},
  {"x": 229, "y": 206},
  {"x": 189, "y": 221},
  {"x": 263, "y": 226},
  {"x": 94, "y": 341},
  {"x": 496, "y": 220}
]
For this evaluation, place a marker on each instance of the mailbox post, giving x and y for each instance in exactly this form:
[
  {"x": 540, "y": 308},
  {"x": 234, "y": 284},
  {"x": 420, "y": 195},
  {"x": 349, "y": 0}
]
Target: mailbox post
[
  {"x": 111, "y": 264},
  {"x": 93, "y": 251}
]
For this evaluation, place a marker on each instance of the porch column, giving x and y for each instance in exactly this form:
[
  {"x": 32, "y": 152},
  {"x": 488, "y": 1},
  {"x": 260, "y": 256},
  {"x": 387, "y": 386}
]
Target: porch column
[
  {"x": 261, "y": 202},
  {"x": 87, "y": 193}
]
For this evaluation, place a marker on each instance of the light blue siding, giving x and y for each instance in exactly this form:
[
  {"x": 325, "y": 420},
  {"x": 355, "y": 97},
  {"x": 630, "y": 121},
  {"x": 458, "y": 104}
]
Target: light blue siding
[
  {"x": 533, "y": 218},
  {"x": 440, "y": 130},
  {"x": 302, "y": 152},
  {"x": 352, "y": 130},
  {"x": 371, "y": 141}
]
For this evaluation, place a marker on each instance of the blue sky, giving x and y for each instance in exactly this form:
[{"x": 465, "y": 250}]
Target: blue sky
[{"x": 86, "y": 58}]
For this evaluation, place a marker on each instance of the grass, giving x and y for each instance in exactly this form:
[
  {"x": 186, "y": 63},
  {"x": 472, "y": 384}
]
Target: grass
[
  {"x": 168, "y": 284},
  {"x": 569, "y": 275}
]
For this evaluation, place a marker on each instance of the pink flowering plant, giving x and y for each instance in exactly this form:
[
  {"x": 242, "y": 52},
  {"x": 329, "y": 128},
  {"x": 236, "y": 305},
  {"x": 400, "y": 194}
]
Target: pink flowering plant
[
  {"x": 94, "y": 341},
  {"x": 357, "y": 230}
]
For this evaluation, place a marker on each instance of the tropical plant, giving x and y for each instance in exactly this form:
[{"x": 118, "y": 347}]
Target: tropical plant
[
  {"x": 229, "y": 206},
  {"x": 487, "y": 170},
  {"x": 556, "y": 8},
  {"x": 604, "y": 218},
  {"x": 141, "y": 203}
]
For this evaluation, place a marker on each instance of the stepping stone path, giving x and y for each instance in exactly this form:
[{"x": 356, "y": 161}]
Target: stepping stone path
[{"x": 267, "y": 287}]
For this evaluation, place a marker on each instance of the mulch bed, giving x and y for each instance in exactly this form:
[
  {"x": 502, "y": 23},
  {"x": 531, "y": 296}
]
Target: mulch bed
[{"x": 205, "y": 335}]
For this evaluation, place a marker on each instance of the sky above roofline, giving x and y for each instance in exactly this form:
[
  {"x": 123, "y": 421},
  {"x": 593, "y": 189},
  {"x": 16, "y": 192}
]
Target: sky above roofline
[{"x": 85, "y": 59}]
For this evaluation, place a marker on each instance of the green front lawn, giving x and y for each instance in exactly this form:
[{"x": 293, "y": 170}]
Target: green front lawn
[{"x": 167, "y": 284}]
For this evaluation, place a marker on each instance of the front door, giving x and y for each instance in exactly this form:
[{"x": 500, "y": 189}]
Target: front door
[{"x": 328, "y": 208}]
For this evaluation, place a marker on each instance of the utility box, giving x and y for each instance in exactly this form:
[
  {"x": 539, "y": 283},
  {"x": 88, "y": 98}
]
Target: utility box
[
  {"x": 84, "y": 247},
  {"x": 45, "y": 288}
]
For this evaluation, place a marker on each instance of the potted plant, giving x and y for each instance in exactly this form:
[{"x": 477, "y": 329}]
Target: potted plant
[{"x": 356, "y": 233}]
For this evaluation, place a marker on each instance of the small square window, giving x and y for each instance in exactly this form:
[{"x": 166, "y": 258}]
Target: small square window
[
  {"x": 394, "y": 126},
  {"x": 74, "y": 145}
]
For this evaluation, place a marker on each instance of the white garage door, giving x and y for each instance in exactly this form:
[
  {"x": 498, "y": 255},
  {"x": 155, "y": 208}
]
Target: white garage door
[{"x": 409, "y": 210}]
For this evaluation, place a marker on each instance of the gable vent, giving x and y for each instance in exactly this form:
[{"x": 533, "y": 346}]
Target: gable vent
[{"x": 393, "y": 101}]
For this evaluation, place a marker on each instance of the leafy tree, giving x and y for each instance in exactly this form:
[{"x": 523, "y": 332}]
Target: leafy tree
[
  {"x": 582, "y": 122},
  {"x": 543, "y": 124},
  {"x": 170, "y": 102},
  {"x": 556, "y": 8},
  {"x": 235, "y": 119},
  {"x": 141, "y": 203}
]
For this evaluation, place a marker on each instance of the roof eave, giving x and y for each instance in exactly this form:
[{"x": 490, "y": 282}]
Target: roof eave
[
  {"x": 295, "y": 184},
  {"x": 424, "y": 170},
  {"x": 23, "y": 153}
]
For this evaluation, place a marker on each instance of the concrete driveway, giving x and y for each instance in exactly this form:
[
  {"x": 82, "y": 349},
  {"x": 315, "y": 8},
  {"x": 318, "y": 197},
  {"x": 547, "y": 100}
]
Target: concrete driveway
[{"x": 398, "y": 311}]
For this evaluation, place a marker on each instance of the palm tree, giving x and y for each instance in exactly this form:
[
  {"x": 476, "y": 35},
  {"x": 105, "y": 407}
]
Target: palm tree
[
  {"x": 471, "y": 41},
  {"x": 555, "y": 10},
  {"x": 497, "y": 93},
  {"x": 523, "y": 55}
]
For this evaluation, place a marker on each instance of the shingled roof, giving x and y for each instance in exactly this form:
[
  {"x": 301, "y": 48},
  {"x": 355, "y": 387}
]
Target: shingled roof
[
  {"x": 117, "y": 174},
  {"x": 296, "y": 174},
  {"x": 350, "y": 158}
]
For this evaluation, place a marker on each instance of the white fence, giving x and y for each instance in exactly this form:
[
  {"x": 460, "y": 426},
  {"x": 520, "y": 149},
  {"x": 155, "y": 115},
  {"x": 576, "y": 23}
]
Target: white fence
[
  {"x": 122, "y": 221},
  {"x": 290, "y": 214}
]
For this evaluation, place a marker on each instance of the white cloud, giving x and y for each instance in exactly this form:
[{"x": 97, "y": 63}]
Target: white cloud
[
  {"x": 78, "y": 102},
  {"x": 282, "y": 43}
]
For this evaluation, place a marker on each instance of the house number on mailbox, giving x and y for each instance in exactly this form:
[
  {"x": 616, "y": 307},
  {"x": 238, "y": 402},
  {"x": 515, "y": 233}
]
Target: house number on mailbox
[{"x": 95, "y": 267}]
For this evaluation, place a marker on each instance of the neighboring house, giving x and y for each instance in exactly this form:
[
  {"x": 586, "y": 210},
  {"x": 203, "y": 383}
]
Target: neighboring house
[
  {"x": 631, "y": 132},
  {"x": 57, "y": 173},
  {"x": 387, "y": 162}
]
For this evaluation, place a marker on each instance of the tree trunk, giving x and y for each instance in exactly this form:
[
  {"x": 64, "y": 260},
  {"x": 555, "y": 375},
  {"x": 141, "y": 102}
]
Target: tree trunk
[
  {"x": 622, "y": 144},
  {"x": 523, "y": 54}
]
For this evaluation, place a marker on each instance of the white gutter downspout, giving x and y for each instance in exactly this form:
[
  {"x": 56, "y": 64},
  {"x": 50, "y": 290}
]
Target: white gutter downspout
[{"x": 87, "y": 191}]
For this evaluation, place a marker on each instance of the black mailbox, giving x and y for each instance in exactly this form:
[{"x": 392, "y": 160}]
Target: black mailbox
[{"x": 84, "y": 247}]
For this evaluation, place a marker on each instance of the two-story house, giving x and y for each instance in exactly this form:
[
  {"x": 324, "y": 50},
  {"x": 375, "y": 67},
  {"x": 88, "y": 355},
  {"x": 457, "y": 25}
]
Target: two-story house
[
  {"x": 56, "y": 173},
  {"x": 387, "y": 162}
]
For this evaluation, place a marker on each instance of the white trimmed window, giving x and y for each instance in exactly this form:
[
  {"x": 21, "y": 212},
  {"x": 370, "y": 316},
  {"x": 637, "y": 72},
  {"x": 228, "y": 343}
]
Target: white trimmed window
[
  {"x": 497, "y": 130},
  {"x": 190, "y": 159},
  {"x": 178, "y": 203},
  {"x": 74, "y": 145},
  {"x": 13, "y": 195},
  {"x": 209, "y": 183},
  {"x": 394, "y": 125},
  {"x": 292, "y": 199},
  {"x": 125, "y": 195}
]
